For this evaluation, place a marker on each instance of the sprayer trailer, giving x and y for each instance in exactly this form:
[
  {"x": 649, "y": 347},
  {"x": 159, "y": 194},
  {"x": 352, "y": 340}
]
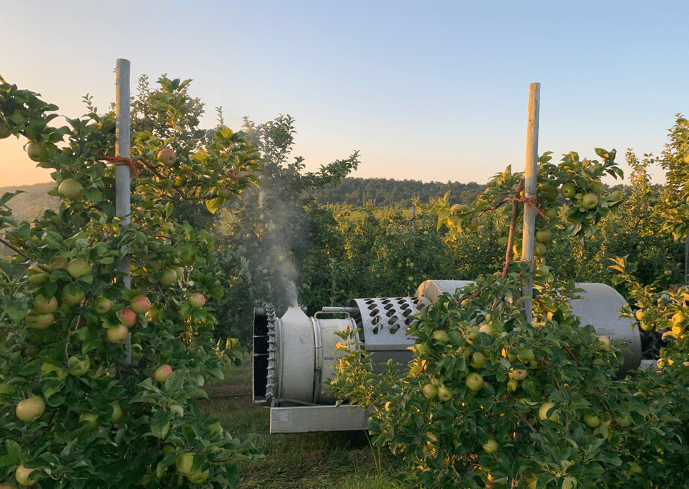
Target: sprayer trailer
[{"x": 294, "y": 355}]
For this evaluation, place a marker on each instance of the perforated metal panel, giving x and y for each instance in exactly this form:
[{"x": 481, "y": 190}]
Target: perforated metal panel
[{"x": 384, "y": 321}]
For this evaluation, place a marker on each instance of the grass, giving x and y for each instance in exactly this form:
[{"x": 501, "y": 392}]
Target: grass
[{"x": 329, "y": 460}]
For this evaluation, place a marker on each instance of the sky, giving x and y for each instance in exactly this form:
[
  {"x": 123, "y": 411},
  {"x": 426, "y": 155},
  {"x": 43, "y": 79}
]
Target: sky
[{"x": 430, "y": 91}]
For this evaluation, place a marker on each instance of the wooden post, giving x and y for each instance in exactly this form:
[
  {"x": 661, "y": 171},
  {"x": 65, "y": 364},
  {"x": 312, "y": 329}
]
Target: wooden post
[
  {"x": 122, "y": 176},
  {"x": 530, "y": 190}
]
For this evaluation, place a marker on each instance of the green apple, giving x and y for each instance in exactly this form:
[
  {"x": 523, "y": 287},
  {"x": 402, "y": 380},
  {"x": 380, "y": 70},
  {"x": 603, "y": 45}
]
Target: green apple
[
  {"x": 184, "y": 463},
  {"x": 543, "y": 412},
  {"x": 102, "y": 305},
  {"x": 72, "y": 294},
  {"x": 78, "y": 365},
  {"x": 430, "y": 391},
  {"x": 519, "y": 373},
  {"x": 441, "y": 335},
  {"x": 88, "y": 421},
  {"x": 198, "y": 477},
  {"x": 478, "y": 359},
  {"x": 43, "y": 305},
  {"x": 117, "y": 412},
  {"x": 596, "y": 187},
  {"x": 58, "y": 262},
  {"x": 71, "y": 189},
  {"x": 168, "y": 277},
  {"x": 568, "y": 190},
  {"x": 592, "y": 420},
  {"x": 490, "y": 446},
  {"x": 512, "y": 385},
  {"x": 39, "y": 321},
  {"x": 36, "y": 151},
  {"x": 23, "y": 476},
  {"x": 474, "y": 382},
  {"x": 78, "y": 268},
  {"x": 444, "y": 394},
  {"x": 589, "y": 201},
  {"x": 544, "y": 235},
  {"x": 35, "y": 275},
  {"x": 117, "y": 334},
  {"x": 30, "y": 409}
]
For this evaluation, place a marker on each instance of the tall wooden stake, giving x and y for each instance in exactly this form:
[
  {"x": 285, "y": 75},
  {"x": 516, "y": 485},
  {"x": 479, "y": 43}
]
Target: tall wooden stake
[
  {"x": 122, "y": 176},
  {"x": 530, "y": 191}
]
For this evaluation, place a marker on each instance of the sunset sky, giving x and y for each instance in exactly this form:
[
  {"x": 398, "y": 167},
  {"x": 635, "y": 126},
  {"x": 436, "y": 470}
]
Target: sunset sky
[{"x": 430, "y": 91}]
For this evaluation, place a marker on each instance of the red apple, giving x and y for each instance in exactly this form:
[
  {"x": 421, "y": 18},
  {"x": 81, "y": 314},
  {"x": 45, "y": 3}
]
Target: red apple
[
  {"x": 167, "y": 157},
  {"x": 117, "y": 334},
  {"x": 197, "y": 300},
  {"x": 140, "y": 304},
  {"x": 30, "y": 409},
  {"x": 233, "y": 174},
  {"x": 162, "y": 373},
  {"x": 127, "y": 317}
]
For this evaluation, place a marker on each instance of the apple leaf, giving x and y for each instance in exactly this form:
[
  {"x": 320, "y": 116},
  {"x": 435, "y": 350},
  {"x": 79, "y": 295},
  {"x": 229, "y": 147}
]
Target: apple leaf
[{"x": 214, "y": 204}]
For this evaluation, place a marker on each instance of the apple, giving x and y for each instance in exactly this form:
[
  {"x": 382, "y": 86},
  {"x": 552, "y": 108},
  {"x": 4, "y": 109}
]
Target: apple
[
  {"x": 43, "y": 305},
  {"x": 197, "y": 300},
  {"x": 35, "y": 275},
  {"x": 117, "y": 334},
  {"x": 23, "y": 476},
  {"x": 604, "y": 343},
  {"x": 444, "y": 394},
  {"x": 153, "y": 314},
  {"x": 169, "y": 277},
  {"x": 233, "y": 174},
  {"x": 568, "y": 190},
  {"x": 224, "y": 192},
  {"x": 592, "y": 420},
  {"x": 526, "y": 355},
  {"x": 30, "y": 409},
  {"x": 512, "y": 385},
  {"x": 71, "y": 189},
  {"x": 441, "y": 336},
  {"x": 474, "y": 382},
  {"x": 36, "y": 151},
  {"x": 72, "y": 294},
  {"x": 430, "y": 391},
  {"x": 5, "y": 132},
  {"x": 89, "y": 421},
  {"x": 197, "y": 477},
  {"x": 544, "y": 235},
  {"x": 180, "y": 272},
  {"x": 78, "y": 365},
  {"x": 519, "y": 374},
  {"x": 78, "y": 268},
  {"x": 102, "y": 305},
  {"x": 127, "y": 317},
  {"x": 543, "y": 412},
  {"x": 167, "y": 157},
  {"x": 39, "y": 321},
  {"x": 117, "y": 412},
  {"x": 162, "y": 373},
  {"x": 596, "y": 187},
  {"x": 539, "y": 249},
  {"x": 140, "y": 304},
  {"x": 589, "y": 201},
  {"x": 478, "y": 360},
  {"x": 58, "y": 262},
  {"x": 184, "y": 463},
  {"x": 491, "y": 446}
]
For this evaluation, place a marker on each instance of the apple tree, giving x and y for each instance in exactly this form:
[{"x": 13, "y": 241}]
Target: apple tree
[
  {"x": 75, "y": 411},
  {"x": 495, "y": 400}
]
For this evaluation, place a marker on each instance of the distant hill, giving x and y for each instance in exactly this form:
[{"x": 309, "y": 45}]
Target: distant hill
[
  {"x": 32, "y": 203},
  {"x": 383, "y": 192}
]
